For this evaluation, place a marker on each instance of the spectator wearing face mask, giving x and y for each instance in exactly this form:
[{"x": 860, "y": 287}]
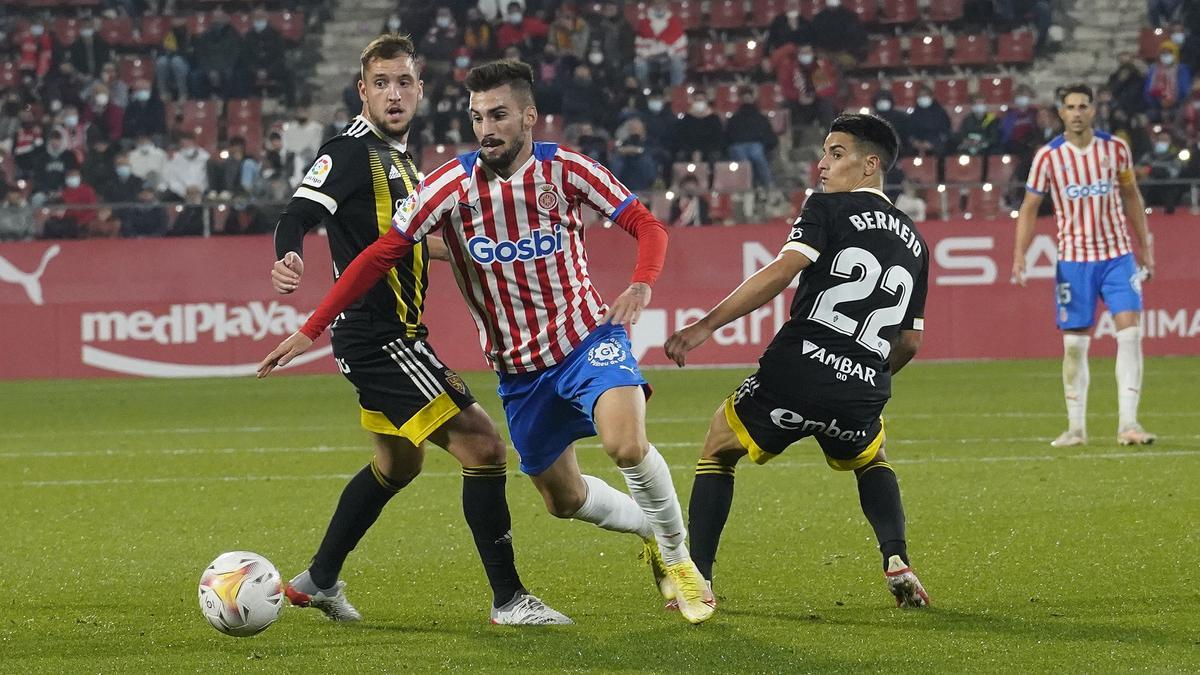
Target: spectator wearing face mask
[
  {"x": 80, "y": 198},
  {"x": 90, "y": 52},
  {"x": 478, "y": 36},
  {"x": 1162, "y": 163},
  {"x": 218, "y": 68},
  {"x": 105, "y": 115},
  {"x": 124, "y": 186},
  {"x": 118, "y": 91},
  {"x": 147, "y": 160},
  {"x": 569, "y": 33},
  {"x": 497, "y": 10},
  {"x": 979, "y": 131},
  {"x": 264, "y": 49},
  {"x": 97, "y": 171},
  {"x": 146, "y": 115},
  {"x": 35, "y": 48},
  {"x": 1018, "y": 131},
  {"x": 612, "y": 36},
  {"x": 690, "y": 207},
  {"x": 929, "y": 125},
  {"x": 460, "y": 66},
  {"x": 660, "y": 46},
  {"x": 632, "y": 162},
  {"x": 885, "y": 107},
  {"x": 660, "y": 122},
  {"x": 301, "y": 139},
  {"x": 699, "y": 135},
  {"x": 29, "y": 138},
  {"x": 526, "y": 32},
  {"x": 1128, "y": 86},
  {"x": 789, "y": 28},
  {"x": 838, "y": 30},
  {"x": 50, "y": 164},
  {"x": 16, "y": 217},
  {"x": 751, "y": 138},
  {"x": 439, "y": 44},
  {"x": 173, "y": 65},
  {"x": 187, "y": 167},
  {"x": 809, "y": 83},
  {"x": 1167, "y": 83}
]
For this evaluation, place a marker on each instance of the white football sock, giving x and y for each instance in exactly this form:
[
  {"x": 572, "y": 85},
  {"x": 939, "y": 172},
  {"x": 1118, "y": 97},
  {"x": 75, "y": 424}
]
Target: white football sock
[
  {"x": 651, "y": 487},
  {"x": 611, "y": 509},
  {"x": 1129, "y": 375},
  {"x": 1075, "y": 379}
]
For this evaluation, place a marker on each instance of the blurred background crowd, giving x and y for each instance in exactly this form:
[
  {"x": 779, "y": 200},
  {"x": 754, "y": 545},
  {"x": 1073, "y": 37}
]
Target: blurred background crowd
[{"x": 137, "y": 118}]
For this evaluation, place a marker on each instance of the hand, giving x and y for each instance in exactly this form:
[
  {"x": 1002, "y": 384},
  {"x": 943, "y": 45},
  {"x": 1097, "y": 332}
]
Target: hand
[
  {"x": 295, "y": 345},
  {"x": 286, "y": 273},
  {"x": 1145, "y": 262},
  {"x": 629, "y": 305},
  {"x": 1018, "y": 270},
  {"x": 685, "y": 340}
]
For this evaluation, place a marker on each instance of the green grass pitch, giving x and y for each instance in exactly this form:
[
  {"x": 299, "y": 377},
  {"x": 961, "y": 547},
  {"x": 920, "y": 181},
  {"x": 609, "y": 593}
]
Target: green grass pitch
[{"x": 116, "y": 493}]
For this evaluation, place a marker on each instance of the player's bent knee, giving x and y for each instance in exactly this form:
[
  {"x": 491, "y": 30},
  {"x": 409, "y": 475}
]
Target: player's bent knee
[
  {"x": 564, "y": 505},
  {"x": 627, "y": 453}
]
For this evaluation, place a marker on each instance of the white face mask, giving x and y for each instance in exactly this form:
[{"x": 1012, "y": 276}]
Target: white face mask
[
  {"x": 833, "y": 4},
  {"x": 699, "y": 108},
  {"x": 71, "y": 121},
  {"x": 123, "y": 171},
  {"x": 393, "y": 24},
  {"x": 259, "y": 25},
  {"x": 595, "y": 58},
  {"x": 1021, "y": 101},
  {"x": 101, "y": 100},
  {"x": 443, "y": 22},
  {"x": 883, "y": 105},
  {"x": 1167, "y": 59},
  {"x": 86, "y": 32},
  {"x": 515, "y": 17},
  {"x": 793, "y": 14},
  {"x": 462, "y": 61},
  {"x": 924, "y": 101},
  {"x": 73, "y": 181},
  {"x": 1161, "y": 147},
  {"x": 654, "y": 105},
  {"x": 142, "y": 95},
  {"x": 806, "y": 59},
  {"x": 36, "y": 30},
  {"x": 1178, "y": 38},
  {"x": 979, "y": 109}
]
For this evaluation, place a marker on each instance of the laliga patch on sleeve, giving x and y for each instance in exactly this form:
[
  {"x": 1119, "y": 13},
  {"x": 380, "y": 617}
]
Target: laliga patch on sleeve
[
  {"x": 319, "y": 172},
  {"x": 405, "y": 211}
]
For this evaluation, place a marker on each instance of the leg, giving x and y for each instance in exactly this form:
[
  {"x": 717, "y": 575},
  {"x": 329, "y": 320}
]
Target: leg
[
  {"x": 471, "y": 438},
  {"x": 570, "y": 494},
  {"x": 1121, "y": 291},
  {"x": 712, "y": 490},
  {"x": 1076, "y": 288},
  {"x": 879, "y": 495},
  {"x": 1075, "y": 376}
]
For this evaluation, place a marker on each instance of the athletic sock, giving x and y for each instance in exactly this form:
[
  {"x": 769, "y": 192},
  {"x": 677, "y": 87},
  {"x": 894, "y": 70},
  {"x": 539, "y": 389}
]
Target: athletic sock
[
  {"x": 879, "y": 495},
  {"x": 651, "y": 487},
  {"x": 359, "y": 507},
  {"x": 486, "y": 510},
  {"x": 712, "y": 495},
  {"x": 1075, "y": 379},
  {"x": 1129, "y": 375},
  {"x": 611, "y": 509}
]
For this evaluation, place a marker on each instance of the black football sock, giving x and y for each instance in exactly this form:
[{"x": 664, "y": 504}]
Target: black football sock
[
  {"x": 708, "y": 509},
  {"x": 879, "y": 494},
  {"x": 359, "y": 507},
  {"x": 486, "y": 510}
]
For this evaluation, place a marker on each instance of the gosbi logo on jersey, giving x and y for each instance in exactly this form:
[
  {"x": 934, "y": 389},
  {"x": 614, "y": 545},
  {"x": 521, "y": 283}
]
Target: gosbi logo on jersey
[
  {"x": 1097, "y": 189},
  {"x": 540, "y": 244}
]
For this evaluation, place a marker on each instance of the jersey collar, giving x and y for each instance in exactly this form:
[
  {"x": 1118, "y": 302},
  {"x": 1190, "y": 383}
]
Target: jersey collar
[
  {"x": 874, "y": 192},
  {"x": 402, "y": 147}
]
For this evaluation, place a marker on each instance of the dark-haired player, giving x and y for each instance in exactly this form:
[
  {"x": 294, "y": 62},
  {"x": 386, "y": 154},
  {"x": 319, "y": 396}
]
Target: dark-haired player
[
  {"x": 406, "y": 394},
  {"x": 856, "y": 319},
  {"x": 511, "y": 214}
]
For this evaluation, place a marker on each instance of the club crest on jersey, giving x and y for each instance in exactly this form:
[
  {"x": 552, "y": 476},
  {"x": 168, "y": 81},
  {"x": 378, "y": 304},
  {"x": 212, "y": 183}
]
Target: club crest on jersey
[
  {"x": 455, "y": 380},
  {"x": 540, "y": 244},
  {"x": 548, "y": 199},
  {"x": 319, "y": 172},
  {"x": 607, "y": 353}
]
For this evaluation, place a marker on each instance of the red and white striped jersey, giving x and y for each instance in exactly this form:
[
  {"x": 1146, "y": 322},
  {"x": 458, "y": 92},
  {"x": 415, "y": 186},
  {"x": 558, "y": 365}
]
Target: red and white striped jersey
[
  {"x": 1087, "y": 203},
  {"x": 517, "y": 248}
]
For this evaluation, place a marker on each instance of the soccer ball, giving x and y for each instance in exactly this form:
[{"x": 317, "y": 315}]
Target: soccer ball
[{"x": 241, "y": 593}]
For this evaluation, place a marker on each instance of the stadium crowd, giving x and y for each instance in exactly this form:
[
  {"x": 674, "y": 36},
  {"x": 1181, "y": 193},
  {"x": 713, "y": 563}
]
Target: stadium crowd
[{"x": 127, "y": 118}]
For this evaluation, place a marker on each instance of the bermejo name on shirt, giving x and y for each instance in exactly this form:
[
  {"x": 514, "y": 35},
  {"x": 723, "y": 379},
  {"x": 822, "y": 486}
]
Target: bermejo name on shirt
[{"x": 878, "y": 220}]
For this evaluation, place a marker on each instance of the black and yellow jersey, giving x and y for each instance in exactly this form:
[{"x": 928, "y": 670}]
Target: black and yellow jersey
[
  {"x": 868, "y": 281},
  {"x": 354, "y": 186}
]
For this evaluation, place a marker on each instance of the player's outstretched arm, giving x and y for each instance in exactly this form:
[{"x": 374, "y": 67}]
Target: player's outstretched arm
[
  {"x": 753, "y": 293},
  {"x": 1026, "y": 219},
  {"x": 296, "y": 344},
  {"x": 1135, "y": 213}
]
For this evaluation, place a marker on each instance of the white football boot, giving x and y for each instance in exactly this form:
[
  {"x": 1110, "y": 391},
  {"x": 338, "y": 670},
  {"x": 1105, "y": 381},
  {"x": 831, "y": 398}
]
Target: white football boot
[{"x": 525, "y": 609}]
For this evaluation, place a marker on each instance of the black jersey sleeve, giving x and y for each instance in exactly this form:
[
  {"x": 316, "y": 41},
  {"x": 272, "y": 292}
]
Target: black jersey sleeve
[
  {"x": 810, "y": 232},
  {"x": 914, "y": 318},
  {"x": 340, "y": 170}
]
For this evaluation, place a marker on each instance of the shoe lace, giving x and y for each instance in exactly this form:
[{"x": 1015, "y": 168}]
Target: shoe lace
[{"x": 693, "y": 590}]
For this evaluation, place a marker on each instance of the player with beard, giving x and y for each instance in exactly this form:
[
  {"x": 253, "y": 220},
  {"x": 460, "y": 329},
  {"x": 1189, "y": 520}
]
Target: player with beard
[
  {"x": 511, "y": 214},
  {"x": 407, "y": 396}
]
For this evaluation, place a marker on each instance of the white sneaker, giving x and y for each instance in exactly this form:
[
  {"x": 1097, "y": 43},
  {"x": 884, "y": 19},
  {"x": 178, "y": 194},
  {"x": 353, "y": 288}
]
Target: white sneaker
[
  {"x": 1069, "y": 438},
  {"x": 527, "y": 610},
  {"x": 1134, "y": 434},
  {"x": 904, "y": 585},
  {"x": 334, "y": 604}
]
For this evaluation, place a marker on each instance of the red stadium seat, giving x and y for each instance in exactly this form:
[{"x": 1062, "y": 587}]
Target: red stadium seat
[
  {"x": 241, "y": 22},
  {"x": 433, "y": 156},
  {"x": 289, "y": 24},
  {"x": 1000, "y": 170},
  {"x": 951, "y": 91},
  {"x": 725, "y": 99},
  {"x": 690, "y": 13},
  {"x": 809, "y": 8},
  {"x": 250, "y": 132},
  {"x": 198, "y": 22},
  {"x": 1149, "y": 42},
  {"x": 244, "y": 110},
  {"x": 9, "y": 75},
  {"x": 862, "y": 92},
  {"x": 707, "y": 56},
  {"x": 549, "y": 128},
  {"x": 964, "y": 168},
  {"x": 1015, "y": 47},
  {"x": 720, "y": 208},
  {"x": 943, "y": 204},
  {"x": 117, "y": 32},
  {"x": 732, "y": 177},
  {"x": 956, "y": 114},
  {"x": 899, "y": 12},
  {"x": 770, "y": 96},
  {"x": 972, "y": 50},
  {"x": 132, "y": 69},
  {"x": 920, "y": 170},
  {"x": 927, "y": 51},
  {"x": 983, "y": 202},
  {"x": 681, "y": 98},
  {"x": 153, "y": 29},
  {"x": 866, "y": 10},
  {"x": 779, "y": 120},
  {"x": 944, "y": 11},
  {"x": 748, "y": 54},
  {"x": 763, "y": 12},
  {"x": 700, "y": 169},
  {"x": 660, "y": 207},
  {"x": 996, "y": 90},
  {"x": 883, "y": 53},
  {"x": 726, "y": 14},
  {"x": 904, "y": 92},
  {"x": 635, "y": 12}
]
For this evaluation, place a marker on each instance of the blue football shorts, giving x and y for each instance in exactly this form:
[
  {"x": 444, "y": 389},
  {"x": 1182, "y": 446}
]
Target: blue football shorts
[
  {"x": 550, "y": 409},
  {"x": 1118, "y": 282}
]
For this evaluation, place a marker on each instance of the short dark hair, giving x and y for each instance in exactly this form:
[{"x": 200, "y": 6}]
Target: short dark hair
[
  {"x": 488, "y": 76},
  {"x": 1077, "y": 88},
  {"x": 874, "y": 132},
  {"x": 387, "y": 46}
]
